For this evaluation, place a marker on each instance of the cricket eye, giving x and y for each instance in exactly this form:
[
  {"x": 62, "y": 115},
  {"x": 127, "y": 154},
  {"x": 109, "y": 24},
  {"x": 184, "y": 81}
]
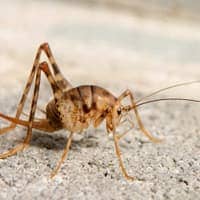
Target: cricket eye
[{"x": 119, "y": 111}]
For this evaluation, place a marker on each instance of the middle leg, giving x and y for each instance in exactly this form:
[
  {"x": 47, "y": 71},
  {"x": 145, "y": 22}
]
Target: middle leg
[{"x": 66, "y": 150}]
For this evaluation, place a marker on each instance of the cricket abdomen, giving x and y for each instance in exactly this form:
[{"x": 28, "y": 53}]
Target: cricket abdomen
[{"x": 53, "y": 115}]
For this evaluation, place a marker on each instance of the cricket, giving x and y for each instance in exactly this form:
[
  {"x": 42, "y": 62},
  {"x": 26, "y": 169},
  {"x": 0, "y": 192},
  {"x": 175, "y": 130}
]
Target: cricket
[{"x": 75, "y": 109}]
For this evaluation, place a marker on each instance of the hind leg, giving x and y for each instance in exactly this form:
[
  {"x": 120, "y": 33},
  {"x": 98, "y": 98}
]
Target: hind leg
[
  {"x": 62, "y": 83},
  {"x": 24, "y": 96},
  {"x": 57, "y": 93},
  {"x": 25, "y": 92},
  {"x": 31, "y": 118}
]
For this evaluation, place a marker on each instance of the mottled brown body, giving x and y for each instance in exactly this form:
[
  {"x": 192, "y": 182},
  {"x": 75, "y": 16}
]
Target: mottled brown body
[
  {"x": 81, "y": 106},
  {"x": 72, "y": 108}
]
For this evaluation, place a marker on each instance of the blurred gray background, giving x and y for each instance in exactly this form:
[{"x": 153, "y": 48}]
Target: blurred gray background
[
  {"x": 104, "y": 34},
  {"x": 141, "y": 45},
  {"x": 182, "y": 9}
]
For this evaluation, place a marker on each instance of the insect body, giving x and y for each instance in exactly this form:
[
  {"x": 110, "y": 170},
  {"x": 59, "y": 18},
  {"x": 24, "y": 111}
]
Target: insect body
[
  {"x": 72, "y": 108},
  {"x": 83, "y": 105}
]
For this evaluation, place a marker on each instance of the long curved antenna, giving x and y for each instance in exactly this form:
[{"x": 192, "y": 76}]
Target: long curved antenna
[
  {"x": 167, "y": 99},
  {"x": 167, "y": 88}
]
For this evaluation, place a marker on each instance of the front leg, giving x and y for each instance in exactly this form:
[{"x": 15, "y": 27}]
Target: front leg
[
  {"x": 118, "y": 152},
  {"x": 119, "y": 136},
  {"x": 141, "y": 126}
]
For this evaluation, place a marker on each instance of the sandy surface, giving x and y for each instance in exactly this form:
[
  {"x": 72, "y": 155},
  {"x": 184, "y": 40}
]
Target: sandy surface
[{"x": 116, "y": 51}]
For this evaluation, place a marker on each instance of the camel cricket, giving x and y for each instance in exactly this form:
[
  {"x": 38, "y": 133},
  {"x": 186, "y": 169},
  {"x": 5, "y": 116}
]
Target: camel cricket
[{"x": 71, "y": 108}]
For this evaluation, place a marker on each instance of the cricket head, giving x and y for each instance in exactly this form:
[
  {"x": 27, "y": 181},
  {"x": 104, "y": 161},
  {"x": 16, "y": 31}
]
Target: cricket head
[
  {"x": 117, "y": 116},
  {"x": 117, "y": 113}
]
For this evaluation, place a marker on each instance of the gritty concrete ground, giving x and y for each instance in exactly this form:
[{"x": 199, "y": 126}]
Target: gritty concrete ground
[{"x": 117, "y": 51}]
